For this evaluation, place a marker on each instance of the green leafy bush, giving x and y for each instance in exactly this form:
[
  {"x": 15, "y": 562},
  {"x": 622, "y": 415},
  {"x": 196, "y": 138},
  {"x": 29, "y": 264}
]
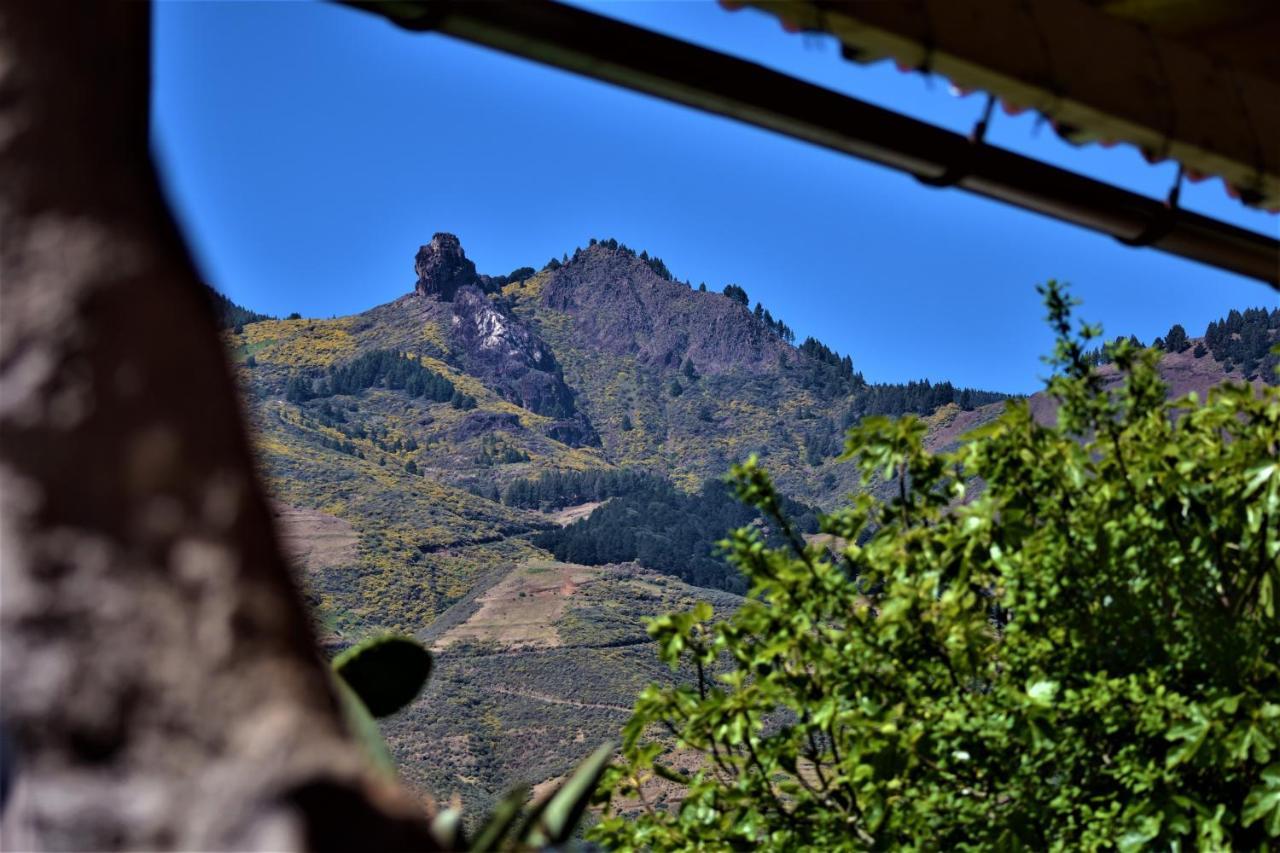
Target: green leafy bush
[{"x": 1080, "y": 652}]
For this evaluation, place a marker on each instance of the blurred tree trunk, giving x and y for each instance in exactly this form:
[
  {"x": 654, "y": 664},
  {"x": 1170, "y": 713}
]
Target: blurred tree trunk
[{"x": 159, "y": 677}]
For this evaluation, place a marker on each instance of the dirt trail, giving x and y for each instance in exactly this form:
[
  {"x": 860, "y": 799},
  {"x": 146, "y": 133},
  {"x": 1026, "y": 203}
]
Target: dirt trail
[
  {"x": 556, "y": 700},
  {"x": 570, "y": 514}
]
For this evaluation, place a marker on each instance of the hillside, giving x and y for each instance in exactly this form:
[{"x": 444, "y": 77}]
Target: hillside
[
  {"x": 418, "y": 451},
  {"x": 688, "y": 382},
  {"x": 408, "y": 422}
]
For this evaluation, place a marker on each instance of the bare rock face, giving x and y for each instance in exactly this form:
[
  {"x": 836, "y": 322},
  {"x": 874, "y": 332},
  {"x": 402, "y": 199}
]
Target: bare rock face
[
  {"x": 443, "y": 267},
  {"x": 509, "y": 356},
  {"x": 490, "y": 342},
  {"x": 493, "y": 335}
]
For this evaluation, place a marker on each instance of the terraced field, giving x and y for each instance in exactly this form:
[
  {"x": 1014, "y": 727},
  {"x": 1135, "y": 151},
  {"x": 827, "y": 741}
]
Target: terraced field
[
  {"x": 525, "y": 686},
  {"x": 521, "y": 611}
]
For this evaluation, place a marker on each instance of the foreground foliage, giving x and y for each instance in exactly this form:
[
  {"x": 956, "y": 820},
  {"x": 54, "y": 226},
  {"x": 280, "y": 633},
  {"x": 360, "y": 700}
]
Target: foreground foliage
[{"x": 1084, "y": 653}]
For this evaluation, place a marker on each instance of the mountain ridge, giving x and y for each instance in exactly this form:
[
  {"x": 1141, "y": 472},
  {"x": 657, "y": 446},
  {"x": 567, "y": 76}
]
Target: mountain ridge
[{"x": 408, "y": 507}]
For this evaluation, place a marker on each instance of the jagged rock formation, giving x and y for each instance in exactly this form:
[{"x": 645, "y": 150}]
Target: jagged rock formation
[
  {"x": 508, "y": 355},
  {"x": 443, "y": 267},
  {"x": 489, "y": 342}
]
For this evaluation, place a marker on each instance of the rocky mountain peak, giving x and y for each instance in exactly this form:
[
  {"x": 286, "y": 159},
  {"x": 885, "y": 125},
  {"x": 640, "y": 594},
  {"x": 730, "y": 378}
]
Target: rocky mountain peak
[
  {"x": 443, "y": 267},
  {"x": 622, "y": 306}
]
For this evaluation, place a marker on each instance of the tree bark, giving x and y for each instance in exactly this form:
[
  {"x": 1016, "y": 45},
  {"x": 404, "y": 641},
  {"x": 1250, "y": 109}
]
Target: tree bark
[{"x": 160, "y": 681}]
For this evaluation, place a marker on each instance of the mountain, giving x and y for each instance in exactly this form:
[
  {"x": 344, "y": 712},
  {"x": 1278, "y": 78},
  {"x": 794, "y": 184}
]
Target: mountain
[{"x": 424, "y": 453}]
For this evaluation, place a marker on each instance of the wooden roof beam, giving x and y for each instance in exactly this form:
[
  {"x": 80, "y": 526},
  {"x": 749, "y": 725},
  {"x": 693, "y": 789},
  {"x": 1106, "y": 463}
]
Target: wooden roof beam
[
  {"x": 1097, "y": 76},
  {"x": 655, "y": 64}
]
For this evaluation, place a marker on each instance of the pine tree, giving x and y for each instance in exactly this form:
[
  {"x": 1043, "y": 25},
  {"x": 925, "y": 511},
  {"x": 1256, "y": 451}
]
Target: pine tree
[
  {"x": 737, "y": 294},
  {"x": 1176, "y": 339}
]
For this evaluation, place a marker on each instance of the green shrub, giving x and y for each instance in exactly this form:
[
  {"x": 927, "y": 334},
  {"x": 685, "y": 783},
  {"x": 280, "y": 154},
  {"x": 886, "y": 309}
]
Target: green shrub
[{"x": 1081, "y": 651}]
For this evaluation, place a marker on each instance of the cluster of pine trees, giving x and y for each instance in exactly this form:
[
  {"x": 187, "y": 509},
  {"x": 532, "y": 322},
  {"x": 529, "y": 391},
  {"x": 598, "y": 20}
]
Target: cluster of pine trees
[
  {"x": 229, "y": 314},
  {"x": 668, "y": 531},
  {"x": 335, "y": 417},
  {"x": 558, "y": 489},
  {"x": 763, "y": 316},
  {"x": 825, "y": 439},
  {"x": 914, "y": 398},
  {"x": 828, "y": 374},
  {"x": 778, "y": 327},
  {"x": 347, "y": 447},
  {"x": 381, "y": 368},
  {"x": 737, "y": 294},
  {"x": 1244, "y": 339},
  {"x": 494, "y": 451},
  {"x": 1175, "y": 340},
  {"x": 1101, "y": 355},
  {"x": 495, "y": 283},
  {"x": 654, "y": 262}
]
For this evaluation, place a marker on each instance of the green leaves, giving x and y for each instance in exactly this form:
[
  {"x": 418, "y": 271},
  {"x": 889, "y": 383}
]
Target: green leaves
[
  {"x": 385, "y": 672},
  {"x": 376, "y": 678},
  {"x": 550, "y": 822},
  {"x": 1042, "y": 692},
  {"x": 1081, "y": 653},
  {"x": 555, "y": 819},
  {"x": 1263, "y": 802}
]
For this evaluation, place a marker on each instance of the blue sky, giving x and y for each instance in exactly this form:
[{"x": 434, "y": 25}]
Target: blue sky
[{"x": 310, "y": 149}]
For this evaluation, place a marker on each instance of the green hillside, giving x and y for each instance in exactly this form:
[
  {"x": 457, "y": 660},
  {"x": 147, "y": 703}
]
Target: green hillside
[{"x": 418, "y": 450}]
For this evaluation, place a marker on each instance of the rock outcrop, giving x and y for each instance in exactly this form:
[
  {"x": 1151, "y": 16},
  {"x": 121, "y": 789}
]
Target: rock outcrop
[
  {"x": 509, "y": 356},
  {"x": 443, "y": 267},
  {"x": 482, "y": 423}
]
